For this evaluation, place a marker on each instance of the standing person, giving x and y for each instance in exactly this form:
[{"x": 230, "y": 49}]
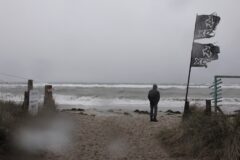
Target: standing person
[{"x": 154, "y": 97}]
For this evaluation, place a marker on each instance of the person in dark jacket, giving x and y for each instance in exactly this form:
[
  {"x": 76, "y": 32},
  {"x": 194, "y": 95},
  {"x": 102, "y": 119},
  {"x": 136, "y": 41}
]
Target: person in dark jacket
[{"x": 154, "y": 97}]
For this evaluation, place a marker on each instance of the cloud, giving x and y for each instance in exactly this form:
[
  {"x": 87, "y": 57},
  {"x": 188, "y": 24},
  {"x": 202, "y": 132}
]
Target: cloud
[{"x": 111, "y": 41}]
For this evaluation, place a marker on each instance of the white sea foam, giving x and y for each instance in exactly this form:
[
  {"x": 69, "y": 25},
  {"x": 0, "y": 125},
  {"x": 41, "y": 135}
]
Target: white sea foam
[
  {"x": 111, "y": 97},
  {"x": 11, "y": 97},
  {"x": 95, "y": 101},
  {"x": 64, "y": 102},
  {"x": 126, "y": 86},
  {"x": 105, "y": 103},
  {"x": 112, "y": 103},
  {"x": 82, "y": 85},
  {"x": 67, "y": 85}
]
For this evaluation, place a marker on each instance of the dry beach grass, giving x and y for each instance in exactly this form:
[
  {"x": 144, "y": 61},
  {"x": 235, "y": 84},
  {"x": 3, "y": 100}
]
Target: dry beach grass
[{"x": 205, "y": 137}]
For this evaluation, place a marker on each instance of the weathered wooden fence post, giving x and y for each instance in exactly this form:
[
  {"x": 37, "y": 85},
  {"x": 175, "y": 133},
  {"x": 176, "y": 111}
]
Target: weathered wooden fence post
[
  {"x": 26, "y": 95},
  {"x": 26, "y": 101},
  {"x": 30, "y": 84},
  {"x": 49, "y": 102},
  {"x": 208, "y": 110}
]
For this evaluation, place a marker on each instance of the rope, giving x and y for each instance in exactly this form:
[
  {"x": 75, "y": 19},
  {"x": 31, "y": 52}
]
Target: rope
[{"x": 13, "y": 76}]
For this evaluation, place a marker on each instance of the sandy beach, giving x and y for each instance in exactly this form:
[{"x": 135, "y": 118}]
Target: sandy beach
[{"x": 114, "y": 135}]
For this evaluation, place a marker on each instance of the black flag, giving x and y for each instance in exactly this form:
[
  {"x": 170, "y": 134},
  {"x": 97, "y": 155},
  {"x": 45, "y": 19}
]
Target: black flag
[
  {"x": 205, "y": 26},
  {"x": 203, "y": 53}
]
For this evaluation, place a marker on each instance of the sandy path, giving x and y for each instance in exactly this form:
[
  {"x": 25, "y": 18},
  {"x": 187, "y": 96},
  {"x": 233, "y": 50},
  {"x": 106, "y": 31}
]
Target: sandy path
[{"x": 116, "y": 137}]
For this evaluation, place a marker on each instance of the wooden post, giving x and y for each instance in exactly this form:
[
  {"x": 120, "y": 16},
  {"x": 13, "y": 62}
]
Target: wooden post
[
  {"x": 208, "y": 107},
  {"x": 30, "y": 84},
  {"x": 26, "y": 101},
  {"x": 26, "y": 95},
  {"x": 48, "y": 98},
  {"x": 48, "y": 91}
]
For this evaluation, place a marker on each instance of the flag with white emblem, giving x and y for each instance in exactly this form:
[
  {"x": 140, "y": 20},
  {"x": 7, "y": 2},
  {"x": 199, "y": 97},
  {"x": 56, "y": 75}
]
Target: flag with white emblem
[
  {"x": 205, "y": 26},
  {"x": 203, "y": 53}
]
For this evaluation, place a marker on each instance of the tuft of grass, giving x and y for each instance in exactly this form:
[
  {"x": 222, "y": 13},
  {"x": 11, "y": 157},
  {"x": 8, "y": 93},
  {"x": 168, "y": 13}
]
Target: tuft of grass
[
  {"x": 12, "y": 117},
  {"x": 10, "y": 112},
  {"x": 200, "y": 136}
]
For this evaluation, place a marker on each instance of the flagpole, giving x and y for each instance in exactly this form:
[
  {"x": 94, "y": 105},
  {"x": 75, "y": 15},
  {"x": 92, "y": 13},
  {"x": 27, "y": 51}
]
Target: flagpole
[{"x": 186, "y": 105}]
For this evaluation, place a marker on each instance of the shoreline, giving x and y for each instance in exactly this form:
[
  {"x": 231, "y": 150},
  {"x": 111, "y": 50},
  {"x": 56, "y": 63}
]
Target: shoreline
[{"x": 117, "y": 112}]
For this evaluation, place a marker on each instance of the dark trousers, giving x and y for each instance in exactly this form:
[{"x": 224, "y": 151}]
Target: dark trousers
[{"x": 153, "y": 112}]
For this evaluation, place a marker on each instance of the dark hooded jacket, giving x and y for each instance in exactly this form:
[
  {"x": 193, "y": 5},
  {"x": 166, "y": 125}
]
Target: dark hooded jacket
[{"x": 154, "y": 97}]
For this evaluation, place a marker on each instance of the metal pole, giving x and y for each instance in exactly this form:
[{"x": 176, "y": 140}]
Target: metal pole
[
  {"x": 186, "y": 106},
  {"x": 215, "y": 93}
]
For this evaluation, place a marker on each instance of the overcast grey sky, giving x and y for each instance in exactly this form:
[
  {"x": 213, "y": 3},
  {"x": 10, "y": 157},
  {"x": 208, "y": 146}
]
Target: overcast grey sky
[{"x": 130, "y": 41}]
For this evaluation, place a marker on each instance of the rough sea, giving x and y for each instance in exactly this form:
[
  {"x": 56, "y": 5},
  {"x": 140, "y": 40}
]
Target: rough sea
[{"x": 123, "y": 96}]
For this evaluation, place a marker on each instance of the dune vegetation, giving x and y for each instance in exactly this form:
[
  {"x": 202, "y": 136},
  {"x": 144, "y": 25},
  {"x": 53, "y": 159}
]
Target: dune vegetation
[
  {"x": 201, "y": 136},
  {"x": 10, "y": 114}
]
